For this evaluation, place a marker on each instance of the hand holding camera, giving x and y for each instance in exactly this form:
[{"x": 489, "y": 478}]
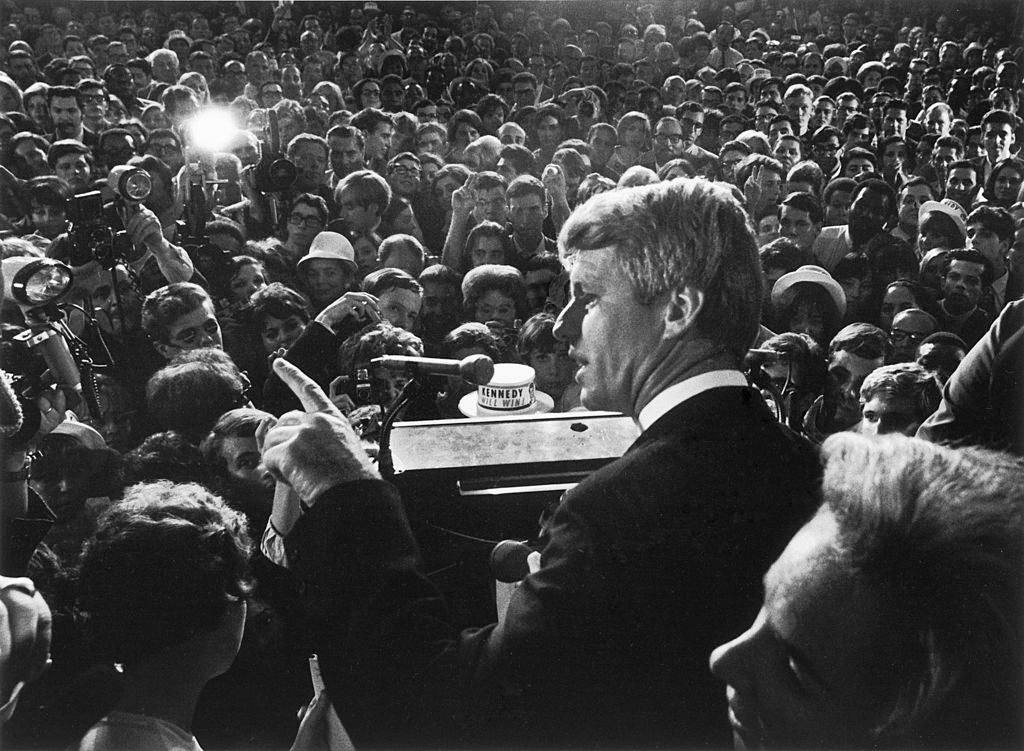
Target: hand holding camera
[{"x": 350, "y": 313}]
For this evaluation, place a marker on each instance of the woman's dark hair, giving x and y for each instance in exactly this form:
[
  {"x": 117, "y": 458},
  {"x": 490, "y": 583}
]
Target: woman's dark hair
[
  {"x": 193, "y": 391},
  {"x": 163, "y": 566},
  {"x": 472, "y": 335},
  {"x": 164, "y": 456},
  {"x": 814, "y": 295},
  {"x": 537, "y": 335},
  {"x": 277, "y": 301},
  {"x": 494, "y": 276}
]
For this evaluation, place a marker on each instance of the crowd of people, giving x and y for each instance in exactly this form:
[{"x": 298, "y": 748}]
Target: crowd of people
[{"x": 787, "y": 240}]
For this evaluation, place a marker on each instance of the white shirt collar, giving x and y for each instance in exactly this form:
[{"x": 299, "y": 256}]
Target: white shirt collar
[{"x": 678, "y": 393}]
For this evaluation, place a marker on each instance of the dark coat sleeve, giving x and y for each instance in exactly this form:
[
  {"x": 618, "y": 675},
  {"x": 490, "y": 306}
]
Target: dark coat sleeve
[{"x": 982, "y": 401}]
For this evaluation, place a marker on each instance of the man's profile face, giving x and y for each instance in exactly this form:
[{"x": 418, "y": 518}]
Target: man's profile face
[
  {"x": 615, "y": 341},
  {"x": 246, "y": 475}
]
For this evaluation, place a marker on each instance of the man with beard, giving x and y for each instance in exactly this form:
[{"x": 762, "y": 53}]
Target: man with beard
[
  {"x": 872, "y": 211},
  {"x": 967, "y": 274},
  {"x": 345, "y": 151},
  {"x": 65, "y": 104}
]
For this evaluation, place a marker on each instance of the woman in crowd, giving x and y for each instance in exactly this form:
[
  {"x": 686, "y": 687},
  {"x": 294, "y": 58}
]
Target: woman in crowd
[{"x": 163, "y": 583}]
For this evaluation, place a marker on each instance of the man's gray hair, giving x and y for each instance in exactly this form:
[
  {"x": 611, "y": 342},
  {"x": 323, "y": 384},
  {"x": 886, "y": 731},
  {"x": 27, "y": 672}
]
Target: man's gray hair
[
  {"x": 678, "y": 234},
  {"x": 935, "y": 534}
]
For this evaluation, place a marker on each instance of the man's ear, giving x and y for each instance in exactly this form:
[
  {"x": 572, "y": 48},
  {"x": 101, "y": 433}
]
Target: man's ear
[{"x": 681, "y": 311}]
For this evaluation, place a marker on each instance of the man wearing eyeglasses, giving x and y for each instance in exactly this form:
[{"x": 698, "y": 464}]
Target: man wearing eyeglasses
[
  {"x": 909, "y": 328},
  {"x": 404, "y": 175},
  {"x": 691, "y": 120},
  {"x": 180, "y": 317},
  {"x": 94, "y": 98},
  {"x": 668, "y": 141}
]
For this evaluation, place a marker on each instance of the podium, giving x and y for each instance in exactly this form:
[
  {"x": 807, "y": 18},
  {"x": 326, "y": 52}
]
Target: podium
[{"x": 468, "y": 484}]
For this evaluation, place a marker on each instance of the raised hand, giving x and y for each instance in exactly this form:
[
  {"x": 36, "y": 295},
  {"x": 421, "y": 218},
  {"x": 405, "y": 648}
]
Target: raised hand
[{"x": 316, "y": 449}]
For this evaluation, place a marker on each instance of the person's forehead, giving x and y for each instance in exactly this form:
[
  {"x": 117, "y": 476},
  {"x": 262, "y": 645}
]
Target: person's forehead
[
  {"x": 967, "y": 268},
  {"x": 399, "y": 296},
  {"x": 201, "y": 313},
  {"x": 918, "y": 191}
]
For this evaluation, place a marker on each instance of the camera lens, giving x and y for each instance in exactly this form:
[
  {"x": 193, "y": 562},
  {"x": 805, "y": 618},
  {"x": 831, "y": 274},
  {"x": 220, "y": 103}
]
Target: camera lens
[{"x": 137, "y": 186}]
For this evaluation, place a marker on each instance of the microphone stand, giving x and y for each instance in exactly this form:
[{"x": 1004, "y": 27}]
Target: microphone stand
[{"x": 385, "y": 464}]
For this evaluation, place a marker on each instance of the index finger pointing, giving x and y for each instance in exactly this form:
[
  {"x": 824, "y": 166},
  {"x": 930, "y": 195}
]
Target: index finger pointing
[{"x": 310, "y": 395}]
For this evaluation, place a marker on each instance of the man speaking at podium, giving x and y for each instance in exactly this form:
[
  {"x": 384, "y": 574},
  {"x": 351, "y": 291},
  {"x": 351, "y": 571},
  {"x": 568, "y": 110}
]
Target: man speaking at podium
[{"x": 648, "y": 564}]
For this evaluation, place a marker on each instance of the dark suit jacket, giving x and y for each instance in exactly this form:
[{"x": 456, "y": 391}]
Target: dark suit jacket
[
  {"x": 983, "y": 401},
  {"x": 649, "y": 564}
]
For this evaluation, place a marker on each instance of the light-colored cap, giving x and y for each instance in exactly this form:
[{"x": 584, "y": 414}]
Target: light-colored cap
[
  {"x": 811, "y": 275},
  {"x": 333, "y": 246}
]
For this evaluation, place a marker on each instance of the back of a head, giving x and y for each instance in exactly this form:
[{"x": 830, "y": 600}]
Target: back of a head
[
  {"x": 163, "y": 566},
  {"x": 190, "y": 393},
  {"x": 935, "y": 533}
]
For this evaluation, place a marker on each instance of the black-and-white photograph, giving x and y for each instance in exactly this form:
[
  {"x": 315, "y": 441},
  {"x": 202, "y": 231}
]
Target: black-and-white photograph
[{"x": 525, "y": 375}]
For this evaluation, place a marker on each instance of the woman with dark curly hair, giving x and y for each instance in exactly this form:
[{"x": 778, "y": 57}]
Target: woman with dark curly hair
[
  {"x": 163, "y": 587},
  {"x": 494, "y": 292}
]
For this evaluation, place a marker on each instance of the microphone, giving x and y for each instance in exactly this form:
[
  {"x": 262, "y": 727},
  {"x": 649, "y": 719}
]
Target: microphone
[
  {"x": 758, "y": 357},
  {"x": 477, "y": 369},
  {"x": 508, "y": 561}
]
